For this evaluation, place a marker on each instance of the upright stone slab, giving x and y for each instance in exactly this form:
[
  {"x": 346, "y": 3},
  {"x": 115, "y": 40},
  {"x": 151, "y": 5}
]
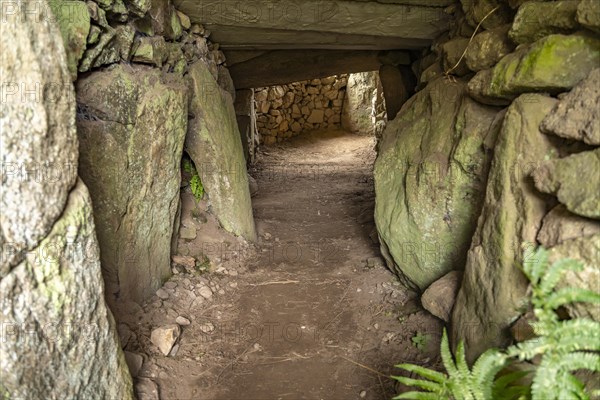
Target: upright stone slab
[
  {"x": 430, "y": 177},
  {"x": 131, "y": 125},
  {"x": 360, "y": 103},
  {"x": 58, "y": 339},
  {"x": 493, "y": 287},
  {"x": 213, "y": 142}
]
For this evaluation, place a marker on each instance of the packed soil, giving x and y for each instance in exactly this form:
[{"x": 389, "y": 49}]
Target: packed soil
[{"x": 309, "y": 311}]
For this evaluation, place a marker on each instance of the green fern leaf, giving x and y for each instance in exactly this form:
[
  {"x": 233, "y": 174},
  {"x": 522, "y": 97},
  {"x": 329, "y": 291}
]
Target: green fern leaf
[
  {"x": 569, "y": 295},
  {"x": 430, "y": 374},
  {"x": 447, "y": 358},
  {"x": 552, "y": 275},
  {"x": 433, "y": 387},
  {"x": 418, "y": 396},
  {"x": 506, "y": 380},
  {"x": 535, "y": 264},
  {"x": 580, "y": 360}
]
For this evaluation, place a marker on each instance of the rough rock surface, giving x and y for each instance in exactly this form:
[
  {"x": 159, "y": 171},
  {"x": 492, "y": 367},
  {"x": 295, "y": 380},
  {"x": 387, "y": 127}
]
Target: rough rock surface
[
  {"x": 439, "y": 297},
  {"x": 73, "y": 18},
  {"x": 213, "y": 142},
  {"x": 139, "y": 121},
  {"x": 576, "y": 116},
  {"x": 493, "y": 288},
  {"x": 488, "y": 47},
  {"x": 36, "y": 177},
  {"x": 588, "y": 14},
  {"x": 53, "y": 309},
  {"x": 574, "y": 180},
  {"x": 534, "y": 20},
  {"x": 560, "y": 225},
  {"x": 553, "y": 64},
  {"x": 477, "y": 10},
  {"x": 584, "y": 250},
  {"x": 165, "y": 337},
  {"x": 430, "y": 179},
  {"x": 363, "y": 103}
]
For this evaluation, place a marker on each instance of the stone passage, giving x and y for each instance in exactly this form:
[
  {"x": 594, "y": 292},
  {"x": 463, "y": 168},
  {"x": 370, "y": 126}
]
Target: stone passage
[{"x": 287, "y": 110}]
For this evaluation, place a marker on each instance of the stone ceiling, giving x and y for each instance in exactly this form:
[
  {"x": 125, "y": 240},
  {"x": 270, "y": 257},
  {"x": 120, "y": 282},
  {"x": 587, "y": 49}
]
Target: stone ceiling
[{"x": 247, "y": 30}]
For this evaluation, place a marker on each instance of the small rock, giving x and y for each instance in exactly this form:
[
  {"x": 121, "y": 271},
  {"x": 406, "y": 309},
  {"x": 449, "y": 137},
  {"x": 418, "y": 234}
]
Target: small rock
[
  {"x": 233, "y": 272},
  {"x": 233, "y": 285},
  {"x": 207, "y": 327},
  {"x": 376, "y": 326},
  {"x": 174, "y": 351},
  {"x": 221, "y": 292},
  {"x": 439, "y": 297},
  {"x": 267, "y": 235},
  {"x": 183, "y": 321},
  {"x": 162, "y": 294},
  {"x": 363, "y": 394},
  {"x": 170, "y": 285},
  {"x": 165, "y": 337},
  {"x": 178, "y": 269},
  {"x": 134, "y": 362},
  {"x": 187, "y": 233},
  {"x": 205, "y": 292},
  {"x": 374, "y": 262},
  {"x": 186, "y": 261},
  {"x": 146, "y": 389},
  {"x": 358, "y": 290}
]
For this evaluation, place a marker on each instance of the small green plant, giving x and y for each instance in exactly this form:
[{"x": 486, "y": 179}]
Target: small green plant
[
  {"x": 195, "y": 181},
  {"x": 460, "y": 382},
  {"x": 203, "y": 266},
  {"x": 562, "y": 346},
  {"x": 420, "y": 341}
]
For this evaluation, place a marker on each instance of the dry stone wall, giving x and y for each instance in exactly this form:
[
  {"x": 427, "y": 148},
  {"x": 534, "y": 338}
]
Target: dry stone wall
[
  {"x": 521, "y": 110},
  {"x": 288, "y": 110}
]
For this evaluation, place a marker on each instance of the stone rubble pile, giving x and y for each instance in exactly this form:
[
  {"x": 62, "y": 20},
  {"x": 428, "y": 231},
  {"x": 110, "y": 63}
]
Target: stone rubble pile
[{"x": 287, "y": 110}]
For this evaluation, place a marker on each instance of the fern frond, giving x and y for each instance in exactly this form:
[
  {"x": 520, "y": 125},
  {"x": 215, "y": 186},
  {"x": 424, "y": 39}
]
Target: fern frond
[
  {"x": 535, "y": 264},
  {"x": 418, "y": 396},
  {"x": 430, "y": 374},
  {"x": 484, "y": 370},
  {"x": 433, "y": 387},
  {"x": 580, "y": 360},
  {"x": 461, "y": 362},
  {"x": 543, "y": 386},
  {"x": 571, "y": 388},
  {"x": 529, "y": 349},
  {"x": 447, "y": 358},
  {"x": 569, "y": 295},
  {"x": 505, "y": 380},
  {"x": 577, "y": 334},
  {"x": 554, "y": 273}
]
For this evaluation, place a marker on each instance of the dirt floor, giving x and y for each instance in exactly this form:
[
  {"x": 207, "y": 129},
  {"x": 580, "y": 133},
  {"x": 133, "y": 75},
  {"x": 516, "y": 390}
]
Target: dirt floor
[{"x": 308, "y": 312}]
